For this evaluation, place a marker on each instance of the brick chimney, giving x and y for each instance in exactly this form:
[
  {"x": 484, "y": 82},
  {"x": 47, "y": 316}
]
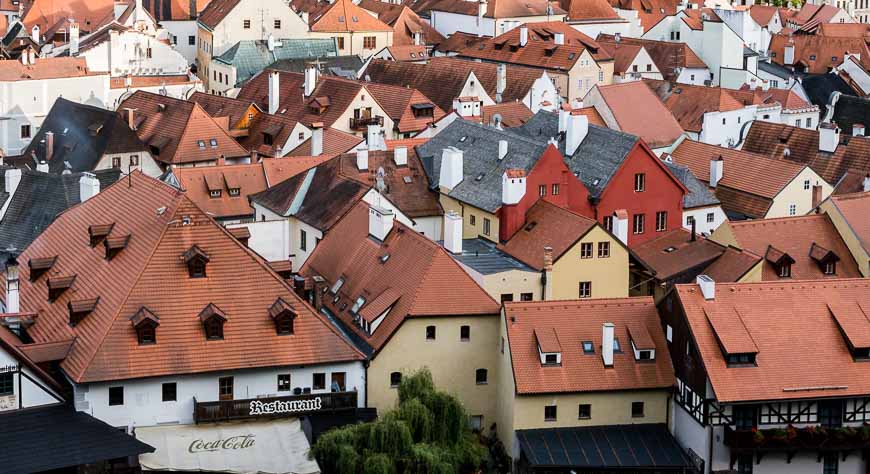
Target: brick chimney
[{"x": 817, "y": 195}]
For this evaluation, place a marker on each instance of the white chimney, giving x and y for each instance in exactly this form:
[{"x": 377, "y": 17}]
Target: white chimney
[
  {"x": 548, "y": 274},
  {"x": 12, "y": 291},
  {"x": 453, "y": 232},
  {"x": 316, "y": 140},
  {"x": 89, "y": 186},
  {"x": 12, "y": 180},
  {"x": 829, "y": 137},
  {"x": 270, "y": 43},
  {"x": 513, "y": 186},
  {"x": 524, "y": 35},
  {"x": 717, "y": 170},
  {"x": 858, "y": 130},
  {"x": 380, "y": 222},
  {"x": 400, "y": 156},
  {"x": 34, "y": 34},
  {"x": 42, "y": 167},
  {"x": 74, "y": 39},
  {"x": 563, "y": 119},
  {"x": 620, "y": 225},
  {"x": 607, "y": 336},
  {"x": 450, "y": 173},
  {"x": 373, "y": 137},
  {"x": 362, "y": 158},
  {"x": 559, "y": 38},
  {"x": 708, "y": 287},
  {"x": 502, "y": 149},
  {"x": 867, "y": 183},
  {"x": 788, "y": 54},
  {"x": 765, "y": 85},
  {"x": 481, "y": 12},
  {"x": 418, "y": 38},
  {"x": 310, "y": 79},
  {"x": 501, "y": 81},
  {"x": 274, "y": 82},
  {"x": 578, "y": 127}
]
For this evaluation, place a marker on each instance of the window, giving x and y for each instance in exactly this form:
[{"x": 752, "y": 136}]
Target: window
[
  {"x": 637, "y": 409},
  {"x": 472, "y": 219},
  {"x": 116, "y": 396},
  {"x": 318, "y": 381},
  {"x": 370, "y": 42},
  {"x": 724, "y": 121},
  {"x": 7, "y": 383},
  {"x": 812, "y": 57},
  {"x": 430, "y": 333},
  {"x": 585, "y": 289},
  {"x": 338, "y": 382},
  {"x": 600, "y": 76},
  {"x": 831, "y": 413},
  {"x": 213, "y": 143},
  {"x": 197, "y": 268},
  {"x": 586, "y": 250},
  {"x": 283, "y": 382},
  {"x": 134, "y": 160},
  {"x": 832, "y": 464},
  {"x": 616, "y": 347},
  {"x": 214, "y": 193},
  {"x": 551, "y": 359},
  {"x": 277, "y": 24},
  {"x": 246, "y": 24},
  {"x": 476, "y": 422},
  {"x": 710, "y": 217},
  {"x": 201, "y": 143},
  {"x": 303, "y": 240},
  {"x": 542, "y": 190},
  {"x": 785, "y": 270},
  {"x": 638, "y": 223},
  {"x": 603, "y": 249},
  {"x": 116, "y": 162},
  {"x": 147, "y": 334},
  {"x": 480, "y": 376},
  {"x": 792, "y": 209},
  {"x": 689, "y": 220},
  {"x": 170, "y": 392},
  {"x": 608, "y": 223},
  {"x": 191, "y": 40},
  {"x": 148, "y": 53},
  {"x": 809, "y": 122},
  {"x": 806, "y": 185},
  {"x": 464, "y": 333},
  {"x": 550, "y": 413},
  {"x": 395, "y": 379},
  {"x": 634, "y": 68},
  {"x": 525, "y": 297},
  {"x": 25, "y": 131},
  {"x": 830, "y": 268},
  {"x": 555, "y": 190},
  {"x": 235, "y": 192},
  {"x": 745, "y": 417},
  {"x": 649, "y": 68},
  {"x": 214, "y": 328},
  {"x": 639, "y": 182},
  {"x": 661, "y": 221},
  {"x": 588, "y": 347},
  {"x": 486, "y": 226},
  {"x": 584, "y": 411},
  {"x": 339, "y": 42},
  {"x": 502, "y": 346},
  {"x": 507, "y": 297}
]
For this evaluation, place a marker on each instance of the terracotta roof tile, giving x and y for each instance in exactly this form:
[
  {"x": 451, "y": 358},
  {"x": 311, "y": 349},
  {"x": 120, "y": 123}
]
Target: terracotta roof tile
[
  {"x": 216, "y": 11},
  {"x": 576, "y": 322},
  {"x": 512, "y": 114},
  {"x": 816, "y": 53},
  {"x": 404, "y": 21},
  {"x": 689, "y": 103},
  {"x": 222, "y": 106},
  {"x": 280, "y": 169},
  {"x": 198, "y": 182},
  {"x": 335, "y": 142},
  {"x": 588, "y": 10},
  {"x": 175, "y": 10},
  {"x": 855, "y": 208},
  {"x": 732, "y": 265},
  {"x": 151, "y": 81},
  {"x": 344, "y": 16},
  {"x": 44, "y": 68},
  {"x": 49, "y": 13},
  {"x": 640, "y": 112},
  {"x": 459, "y": 41},
  {"x": 675, "y": 253},
  {"x": 669, "y": 57}
]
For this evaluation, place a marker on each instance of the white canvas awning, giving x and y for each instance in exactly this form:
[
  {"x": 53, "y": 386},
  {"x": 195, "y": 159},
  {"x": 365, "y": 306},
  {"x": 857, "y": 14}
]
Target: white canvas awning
[{"x": 256, "y": 447}]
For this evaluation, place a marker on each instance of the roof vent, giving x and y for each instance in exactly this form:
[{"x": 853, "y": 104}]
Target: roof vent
[
  {"x": 99, "y": 232},
  {"x": 40, "y": 266},
  {"x": 57, "y": 286},
  {"x": 80, "y": 309},
  {"x": 708, "y": 287},
  {"x": 115, "y": 244}
]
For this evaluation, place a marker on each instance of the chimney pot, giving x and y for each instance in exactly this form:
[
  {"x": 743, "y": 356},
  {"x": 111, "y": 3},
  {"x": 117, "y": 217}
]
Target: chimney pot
[
  {"x": 274, "y": 83},
  {"x": 380, "y": 222},
  {"x": 867, "y": 183},
  {"x": 578, "y": 127},
  {"x": 513, "y": 187},
  {"x": 708, "y": 287},
  {"x": 451, "y": 173},
  {"x": 310, "y": 79},
  {"x": 502, "y": 149},
  {"x": 49, "y": 145},
  {"x": 12, "y": 178},
  {"x": 42, "y": 167},
  {"x": 524, "y": 36},
  {"x": 316, "y": 139},
  {"x": 362, "y": 158},
  {"x": 400, "y": 156},
  {"x": 89, "y": 186},
  {"x": 453, "y": 232},
  {"x": 12, "y": 292},
  {"x": 858, "y": 130},
  {"x": 829, "y": 137}
]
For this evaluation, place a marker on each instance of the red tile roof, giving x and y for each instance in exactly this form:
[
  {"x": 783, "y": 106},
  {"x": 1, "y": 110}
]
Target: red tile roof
[
  {"x": 44, "y": 68},
  {"x": 796, "y": 236},
  {"x": 198, "y": 182},
  {"x": 640, "y": 112},
  {"x": 511, "y": 114},
  {"x": 238, "y": 282},
  {"x": 335, "y": 142},
  {"x": 778, "y": 316},
  {"x": 404, "y": 21},
  {"x": 669, "y": 57},
  {"x": 732, "y": 265},
  {"x": 48, "y": 14},
  {"x": 12, "y": 345},
  {"x": 280, "y": 169},
  {"x": 459, "y": 41},
  {"x": 494, "y": 8},
  {"x": 851, "y": 30},
  {"x": 674, "y": 253},
  {"x": 216, "y": 11},
  {"x": 416, "y": 276},
  {"x": 152, "y": 81},
  {"x": 346, "y": 16},
  {"x": 222, "y": 106},
  {"x": 573, "y": 322},
  {"x": 589, "y": 10},
  {"x": 816, "y": 53},
  {"x": 763, "y": 14},
  {"x": 175, "y": 10},
  {"x": 689, "y": 103},
  {"x": 855, "y": 208}
]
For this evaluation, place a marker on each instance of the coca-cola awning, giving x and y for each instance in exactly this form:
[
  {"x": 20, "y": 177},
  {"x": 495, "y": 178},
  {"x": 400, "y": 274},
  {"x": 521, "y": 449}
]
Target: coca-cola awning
[{"x": 248, "y": 447}]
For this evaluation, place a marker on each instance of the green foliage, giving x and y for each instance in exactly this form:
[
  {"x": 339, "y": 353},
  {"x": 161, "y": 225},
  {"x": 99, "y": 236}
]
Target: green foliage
[{"x": 426, "y": 433}]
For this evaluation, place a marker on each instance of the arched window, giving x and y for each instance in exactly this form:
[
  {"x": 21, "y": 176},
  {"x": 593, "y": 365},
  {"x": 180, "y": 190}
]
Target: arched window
[
  {"x": 395, "y": 379},
  {"x": 480, "y": 376}
]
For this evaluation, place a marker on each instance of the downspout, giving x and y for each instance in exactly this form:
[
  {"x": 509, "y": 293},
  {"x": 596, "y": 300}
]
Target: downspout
[{"x": 708, "y": 467}]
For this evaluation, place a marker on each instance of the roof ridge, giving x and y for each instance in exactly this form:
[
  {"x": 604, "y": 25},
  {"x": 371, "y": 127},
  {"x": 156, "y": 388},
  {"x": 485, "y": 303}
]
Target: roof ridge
[
  {"x": 774, "y": 220},
  {"x": 582, "y": 301}
]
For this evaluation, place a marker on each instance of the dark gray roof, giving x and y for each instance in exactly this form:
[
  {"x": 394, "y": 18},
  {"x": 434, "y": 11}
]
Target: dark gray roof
[
  {"x": 252, "y": 56},
  {"x": 82, "y": 135},
  {"x": 775, "y": 69},
  {"x": 343, "y": 66},
  {"x": 699, "y": 194},
  {"x": 819, "y": 88},
  {"x": 37, "y": 200},
  {"x": 849, "y": 110},
  {"x": 482, "y": 256}
]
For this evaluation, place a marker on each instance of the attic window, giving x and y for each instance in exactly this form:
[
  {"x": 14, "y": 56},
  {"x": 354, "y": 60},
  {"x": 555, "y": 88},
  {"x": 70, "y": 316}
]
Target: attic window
[
  {"x": 812, "y": 57},
  {"x": 337, "y": 285},
  {"x": 824, "y": 258},
  {"x": 531, "y": 226},
  {"x": 213, "y": 143},
  {"x": 145, "y": 323},
  {"x": 282, "y": 315},
  {"x": 479, "y": 177},
  {"x": 588, "y": 347},
  {"x": 57, "y": 286},
  {"x": 384, "y": 258},
  {"x": 115, "y": 244},
  {"x": 571, "y": 56},
  {"x": 99, "y": 232},
  {"x": 461, "y": 140},
  {"x": 213, "y": 319},
  {"x": 358, "y": 304},
  {"x": 214, "y": 193},
  {"x": 235, "y": 191},
  {"x": 201, "y": 144},
  {"x": 354, "y": 19},
  {"x": 740, "y": 359},
  {"x": 79, "y": 309},
  {"x": 341, "y": 19},
  {"x": 196, "y": 260},
  {"x": 670, "y": 249},
  {"x": 39, "y": 266}
]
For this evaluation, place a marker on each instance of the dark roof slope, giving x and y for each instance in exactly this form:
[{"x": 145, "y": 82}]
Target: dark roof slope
[
  {"x": 849, "y": 110},
  {"x": 699, "y": 194}
]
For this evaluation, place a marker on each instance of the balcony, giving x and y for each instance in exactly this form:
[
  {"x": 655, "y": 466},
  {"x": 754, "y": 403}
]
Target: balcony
[
  {"x": 273, "y": 407},
  {"x": 791, "y": 439},
  {"x": 361, "y": 123}
]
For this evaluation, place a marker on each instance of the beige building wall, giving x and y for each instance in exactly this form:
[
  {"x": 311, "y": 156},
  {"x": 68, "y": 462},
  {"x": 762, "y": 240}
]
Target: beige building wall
[
  {"x": 364, "y": 99},
  {"x": 862, "y": 256},
  {"x": 590, "y": 73},
  {"x": 609, "y": 276},
  {"x": 472, "y": 230},
  {"x": 515, "y": 283},
  {"x": 354, "y": 42},
  {"x": 725, "y": 235},
  {"x": 753, "y": 275},
  {"x": 453, "y": 362},
  {"x": 795, "y": 193},
  {"x": 147, "y": 164}
]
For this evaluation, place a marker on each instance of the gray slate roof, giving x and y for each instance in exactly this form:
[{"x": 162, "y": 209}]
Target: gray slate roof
[
  {"x": 699, "y": 194},
  {"x": 775, "y": 69},
  {"x": 595, "y": 161},
  {"x": 482, "y": 256},
  {"x": 250, "y": 57},
  {"x": 342, "y": 66}
]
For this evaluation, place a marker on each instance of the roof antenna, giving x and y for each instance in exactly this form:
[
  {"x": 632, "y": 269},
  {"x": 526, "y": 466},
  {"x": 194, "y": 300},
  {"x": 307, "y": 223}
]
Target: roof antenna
[{"x": 129, "y": 175}]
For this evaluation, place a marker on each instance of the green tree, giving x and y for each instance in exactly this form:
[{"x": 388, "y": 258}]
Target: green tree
[{"x": 427, "y": 433}]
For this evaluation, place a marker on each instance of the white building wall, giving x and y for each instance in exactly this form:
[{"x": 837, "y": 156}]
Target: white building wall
[
  {"x": 143, "y": 398},
  {"x": 270, "y": 234},
  {"x": 147, "y": 164},
  {"x": 127, "y": 53},
  {"x": 543, "y": 89},
  {"x": 231, "y": 30},
  {"x": 624, "y": 28},
  {"x": 688, "y": 432},
  {"x": 181, "y": 32},
  {"x": 695, "y": 76},
  {"x": 703, "y": 224},
  {"x": 723, "y": 128},
  {"x": 25, "y": 392}
]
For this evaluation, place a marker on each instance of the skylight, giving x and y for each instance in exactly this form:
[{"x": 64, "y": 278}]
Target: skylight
[
  {"x": 213, "y": 142},
  {"x": 337, "y": 285},
  {"x": 201, "y": 144},
  {"x": 358, "y": 304}
]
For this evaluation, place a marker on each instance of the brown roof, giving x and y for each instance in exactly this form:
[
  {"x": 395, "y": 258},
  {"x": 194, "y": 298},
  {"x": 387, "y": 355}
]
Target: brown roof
[
  {"x": 48, "y": 14},
  {"x": 851, "y": 30},
  {"x": 674, "y": 253},
  {"x": 416, "y": 276},
  {"x": 216, "y": 11},
  {"x": 44, "y": 68},
  {"x": 277, "y": 127},
  {"x": 796, "y": 237},
  {"x": 540, "y": 51},
  {"x": 732, "y": 265},
  {"x": 13, "y": 345},
  {"x": 650, "y": 12},
  {"x": 175, "y": 10},
  {"x": 335, "y": 142},
  {"x": 813, "y": 15},
  {"x": 689, "y": 103},
  {"x": 749, "y": 181},
  {"x": 151, "y": 81},
  {"x": 198, "y": 182},
  {"x": 494, "y": 8},
  {"x": 574, "y": 322},
  {"x": 404, "y": 21},
  {"x": 623, "y": 55},
  {"x": 458, "y": 41},
  {"x": 238, "y": 282},
  {"x": 855, "y": 208},
  {"x": 589, "y": 10},
  {"x": 222, "y": 106},
  {"x": 763, "y": 14},
  {"x": 182, "y": 131},
  {"x": 547, "y": 225},
  {"x": 668, "y": 56},
  {"x": 399, "y": 102},
  {"x": 816, "y": 53},
  {"x": 346, "y": 16},
  {"x": 778, "y": 317},
  {"x": 591, "y": 114},
  {"x": 787, "y": 98},
  {"x": 640, "y": 112},
  {"x": 696, "y": 17},
  {"x": 512, "y": 114},
  {"x": 773, "y": 139},
  {"x": 280, "y": 169}
]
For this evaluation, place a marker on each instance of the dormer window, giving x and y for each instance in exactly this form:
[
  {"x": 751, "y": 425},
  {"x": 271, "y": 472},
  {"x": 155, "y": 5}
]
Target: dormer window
[
  {"x": 737, "y": 346},
  {"x": 551, "y": 359},
  {"x": 213, "y": 143},
  {"x": 114, "y": 245},
  {"x": 214, "y": 193},
  {"x": 40, "y": 266},
  {"x": 201, "y": 144},
  {"x": 80, "y": 309},
  {"x": 57, "y": 286},
  {"x": 588, "y": 347},
  {"x": 784, "y": 270},
  {"x": 213, "y": 320},
  {"x": 283, "y": 316},
  {"x": 740, "y": 359},
  {"x": 337, "y": 285},
  {"x": 234, "y": 192},
  {"x": 549, "y": 347},
  {"x": 99, "y": 232},
  {"x": 780, "y": 260},
  {"x": 196, "y": 260},
  {"x": 358, "y": 304},
  {"x": 145, "y": 323},
  {"x": 825, "y": 259},
  {"x": 642, "y": 344}
]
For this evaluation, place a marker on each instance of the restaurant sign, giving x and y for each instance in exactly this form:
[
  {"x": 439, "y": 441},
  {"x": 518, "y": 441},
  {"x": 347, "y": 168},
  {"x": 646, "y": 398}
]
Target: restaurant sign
[{"x": 275, "y": 407}]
